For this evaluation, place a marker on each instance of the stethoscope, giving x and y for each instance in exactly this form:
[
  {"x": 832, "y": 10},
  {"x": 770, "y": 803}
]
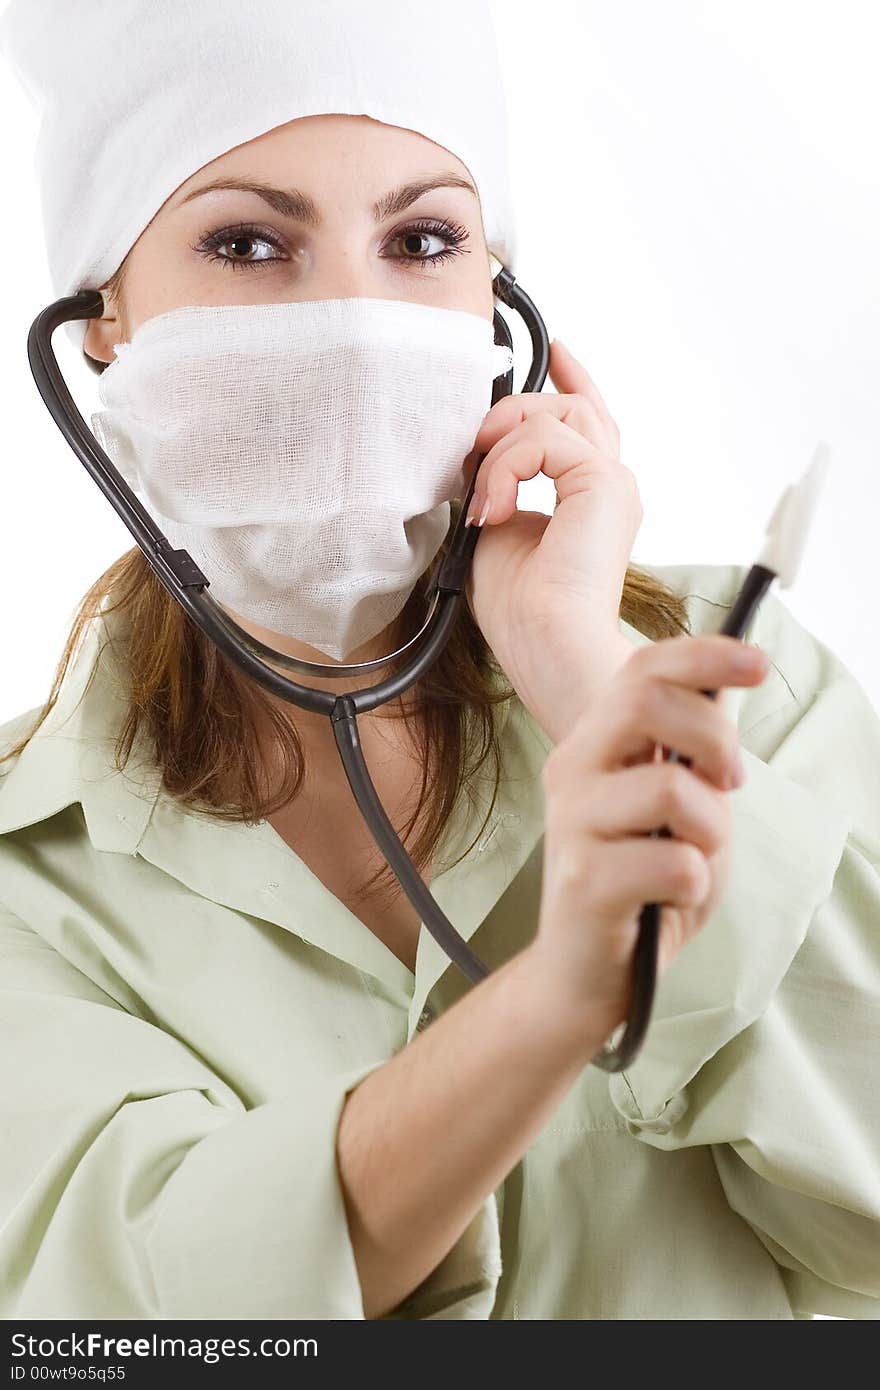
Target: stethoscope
[{"x": 186, "y": 583}]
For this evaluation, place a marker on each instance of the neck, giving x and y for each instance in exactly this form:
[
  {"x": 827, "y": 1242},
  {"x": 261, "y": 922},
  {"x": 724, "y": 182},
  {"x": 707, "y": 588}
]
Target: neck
[{"x": 313, "y": 727}]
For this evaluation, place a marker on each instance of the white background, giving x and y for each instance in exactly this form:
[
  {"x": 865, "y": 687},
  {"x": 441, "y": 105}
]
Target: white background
[{"x": 697, "y": 197}]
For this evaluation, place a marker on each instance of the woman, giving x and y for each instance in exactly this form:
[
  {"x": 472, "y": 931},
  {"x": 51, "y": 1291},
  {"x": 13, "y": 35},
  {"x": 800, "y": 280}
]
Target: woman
[{"x": 261, "y": 1091}]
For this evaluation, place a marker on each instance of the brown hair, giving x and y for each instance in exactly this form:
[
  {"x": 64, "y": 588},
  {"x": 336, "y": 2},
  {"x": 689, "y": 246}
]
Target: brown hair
[{"x": 201, "y": 712}]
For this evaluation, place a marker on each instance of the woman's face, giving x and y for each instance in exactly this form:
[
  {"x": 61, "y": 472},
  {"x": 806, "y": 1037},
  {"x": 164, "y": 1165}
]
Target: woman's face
[{"x": 345, "y": 218}]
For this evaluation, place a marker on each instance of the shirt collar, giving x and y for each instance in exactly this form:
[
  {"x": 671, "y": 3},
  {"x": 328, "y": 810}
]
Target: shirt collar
[
  {"x": 71, "y": 756},
  {"x": 70, "y": 759}
]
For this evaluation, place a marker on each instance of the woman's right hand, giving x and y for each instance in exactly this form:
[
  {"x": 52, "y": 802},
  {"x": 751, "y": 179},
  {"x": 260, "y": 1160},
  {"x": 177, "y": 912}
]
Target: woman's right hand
[{"x": 605, "y": 790}]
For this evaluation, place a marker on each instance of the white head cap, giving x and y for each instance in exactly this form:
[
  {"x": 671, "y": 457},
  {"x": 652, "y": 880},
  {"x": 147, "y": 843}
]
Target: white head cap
[{"x": 135, "y": 96}]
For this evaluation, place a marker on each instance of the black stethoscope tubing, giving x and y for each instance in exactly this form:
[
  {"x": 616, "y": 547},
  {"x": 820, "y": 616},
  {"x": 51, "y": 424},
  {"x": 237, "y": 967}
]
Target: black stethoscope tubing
[{"x": 186, "y": 583}]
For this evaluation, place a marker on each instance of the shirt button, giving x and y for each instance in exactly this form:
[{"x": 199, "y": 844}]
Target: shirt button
[{"x": 425, "y": 1018}]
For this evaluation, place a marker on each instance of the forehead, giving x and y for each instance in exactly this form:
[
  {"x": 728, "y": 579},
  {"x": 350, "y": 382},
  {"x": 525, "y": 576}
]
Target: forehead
[{"x": 324, "y": 146}]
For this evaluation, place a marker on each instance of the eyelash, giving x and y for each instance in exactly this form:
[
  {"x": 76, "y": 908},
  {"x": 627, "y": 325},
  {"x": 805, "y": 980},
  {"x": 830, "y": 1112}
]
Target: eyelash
[{"x": 209, "y": 243}]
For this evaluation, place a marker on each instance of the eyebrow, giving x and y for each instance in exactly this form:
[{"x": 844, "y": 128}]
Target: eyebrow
[{"x": 293, "y": 203}]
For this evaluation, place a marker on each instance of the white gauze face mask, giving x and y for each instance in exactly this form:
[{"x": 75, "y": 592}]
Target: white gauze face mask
[{"x": 304, "y": 454}]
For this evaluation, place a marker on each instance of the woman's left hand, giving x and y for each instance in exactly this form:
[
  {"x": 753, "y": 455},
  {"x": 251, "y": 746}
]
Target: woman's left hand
[{"x": 545, "y": 591}]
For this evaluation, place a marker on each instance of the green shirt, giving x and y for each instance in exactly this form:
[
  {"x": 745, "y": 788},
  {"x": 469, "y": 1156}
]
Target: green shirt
[{"x": 184, "y": 1006}]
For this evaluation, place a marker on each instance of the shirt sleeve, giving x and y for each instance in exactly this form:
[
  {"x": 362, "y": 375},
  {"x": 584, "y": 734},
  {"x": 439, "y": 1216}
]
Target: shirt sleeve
[
  {"x": 139, "y": 1185},
  {"x": 766, "y": 1032}
]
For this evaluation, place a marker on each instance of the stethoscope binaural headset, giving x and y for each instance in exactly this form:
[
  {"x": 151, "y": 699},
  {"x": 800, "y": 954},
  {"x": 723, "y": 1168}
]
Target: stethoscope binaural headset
[{"x": 184, "y": 580}]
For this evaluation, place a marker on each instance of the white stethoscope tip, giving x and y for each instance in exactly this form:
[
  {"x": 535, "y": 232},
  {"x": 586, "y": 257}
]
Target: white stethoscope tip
[{"x": 788, "y": 526}]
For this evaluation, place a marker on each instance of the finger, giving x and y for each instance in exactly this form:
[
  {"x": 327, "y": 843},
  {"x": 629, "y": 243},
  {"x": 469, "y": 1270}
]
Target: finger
[
  {"x": 638, "y": 800},
  {"x": 650, "y": 713},
  {"x": 568, "y": 374},
  {"x": 630, "y": 873},
  {"x": 556, "y": 451},
  {"x": 646, "y": 711},
  {"x": 661, "y": 713},
  {"x": 541, "y": 433},
  {"x": 575, "y": 410},
  {"x": 708, "y": 661}
]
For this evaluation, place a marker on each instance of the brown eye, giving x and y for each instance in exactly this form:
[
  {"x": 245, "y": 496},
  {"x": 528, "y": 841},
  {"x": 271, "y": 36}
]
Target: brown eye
[
  {"x": 242, "y": 240},
  {"x": 413, "y": 239}
]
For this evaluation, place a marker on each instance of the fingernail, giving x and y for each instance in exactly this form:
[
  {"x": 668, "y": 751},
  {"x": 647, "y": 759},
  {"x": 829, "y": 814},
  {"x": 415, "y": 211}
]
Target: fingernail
[
  {"x": 563, "y": 345},
  {"x": 470, "y": 519},
  {"x": 739, "y": 771}
]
